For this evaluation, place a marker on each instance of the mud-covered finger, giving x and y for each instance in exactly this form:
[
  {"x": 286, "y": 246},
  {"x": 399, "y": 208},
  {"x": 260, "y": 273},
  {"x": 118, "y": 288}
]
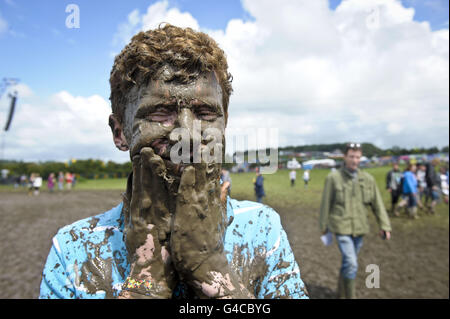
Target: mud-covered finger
[
  {"x": 187, "y": 182},
  {"x": 147, "y": 174},
  {"x": 136, "y": 190},
  {"x": 200, "y": 175},
  {"x": 153, "y": 162}
]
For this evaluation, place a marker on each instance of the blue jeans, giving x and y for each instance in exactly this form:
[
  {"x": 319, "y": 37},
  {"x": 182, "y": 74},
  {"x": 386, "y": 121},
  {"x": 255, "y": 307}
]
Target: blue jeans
[
  {"x": 412, "y": 200},
  {"x": 349, "y": 247}
]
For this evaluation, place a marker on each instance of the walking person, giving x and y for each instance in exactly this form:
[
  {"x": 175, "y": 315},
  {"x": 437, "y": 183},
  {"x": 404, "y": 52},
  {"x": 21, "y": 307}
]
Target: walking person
[
  {"x": 16, "y": 182},
  {"x": 226, "y": 184},
  {"x": 37, "y": 183},
  {"x": 31, "y": 183},
  {"x": 421, "y": 183},
  {"x": 433, "y": 184},
  {"x": 293, "y": 177},
  {"x": 444, "y": 183},
  {"x": 393, "y": 185},
  {"x": 74, "y": 179},
  {"x": 23, "y": 180},
  {"x": 258, "y": 182},
  {"x": 306, "y": 178},
  {"x": 51, "y": 182},
  {"x": 347, "y": 195},
  {"x": 69, "y": 180},
  {"x": 410, "y": 189},
  {"x": 60, "y": 181}
]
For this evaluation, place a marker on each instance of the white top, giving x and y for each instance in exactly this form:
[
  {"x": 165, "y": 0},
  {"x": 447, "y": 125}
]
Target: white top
[
  {"x": 37, "y": 182},
  {"x": 306, "y": 176},
  {"x": 293, "y": 174}
]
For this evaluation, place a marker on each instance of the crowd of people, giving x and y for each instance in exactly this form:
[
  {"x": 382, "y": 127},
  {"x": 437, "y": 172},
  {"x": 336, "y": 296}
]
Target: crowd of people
[
  {"x": 293, "y": 177},
  {"x": 419, "y": 186},
  {"x": 35, "y": 181}
]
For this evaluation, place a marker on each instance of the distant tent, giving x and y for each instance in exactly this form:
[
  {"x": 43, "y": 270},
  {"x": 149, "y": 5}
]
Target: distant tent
[
  {"x": 364, "y": 159},
  {"x": 293, "y": 164},
  {"x": 320, "y": 162}
]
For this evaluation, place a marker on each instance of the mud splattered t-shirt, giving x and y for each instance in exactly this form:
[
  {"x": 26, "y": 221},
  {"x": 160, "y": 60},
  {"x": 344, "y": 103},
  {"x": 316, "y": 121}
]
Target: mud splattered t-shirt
[{"x": 88, "y": 259}]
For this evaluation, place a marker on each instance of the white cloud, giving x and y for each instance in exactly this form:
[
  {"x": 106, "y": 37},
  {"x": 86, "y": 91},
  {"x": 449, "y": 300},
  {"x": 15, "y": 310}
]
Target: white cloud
[
  {"x": 126, "y": 30},
  {"x": 344, "y": 71},
  {"x": 156, "y": 14},
  {"x": 160, "y": 12},
  {"x": 59, "y": 127}
]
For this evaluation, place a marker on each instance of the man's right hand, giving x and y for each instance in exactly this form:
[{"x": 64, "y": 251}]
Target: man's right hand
[{"x": 147, "y": 227}]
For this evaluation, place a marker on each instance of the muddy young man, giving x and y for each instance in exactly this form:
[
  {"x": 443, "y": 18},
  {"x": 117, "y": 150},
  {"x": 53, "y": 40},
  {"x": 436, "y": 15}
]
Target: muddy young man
[
  {"x": 347, "y": 196},
  {"x": 172, "y": 236}
]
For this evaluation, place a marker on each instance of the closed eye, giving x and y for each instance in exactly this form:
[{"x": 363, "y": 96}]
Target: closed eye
[
  {"x": 162, "y": 115},
  {"x": 206, "y": 113}
]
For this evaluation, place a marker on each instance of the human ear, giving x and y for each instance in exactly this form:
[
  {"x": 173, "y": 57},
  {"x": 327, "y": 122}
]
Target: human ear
[{"x": 117, "y": 131}]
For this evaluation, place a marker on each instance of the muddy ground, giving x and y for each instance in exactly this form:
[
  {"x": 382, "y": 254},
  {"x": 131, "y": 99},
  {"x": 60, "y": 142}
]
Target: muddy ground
[{"x": 414, "y": 264}]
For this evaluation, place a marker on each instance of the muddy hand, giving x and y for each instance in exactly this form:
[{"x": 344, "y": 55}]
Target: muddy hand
[
  {"x": 197, "y": 235},
  {"x": 147, "y": 226}
]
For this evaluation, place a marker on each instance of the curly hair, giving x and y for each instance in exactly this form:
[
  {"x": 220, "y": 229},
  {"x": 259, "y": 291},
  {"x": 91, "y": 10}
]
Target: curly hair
[{"x": 190, "y": 52}]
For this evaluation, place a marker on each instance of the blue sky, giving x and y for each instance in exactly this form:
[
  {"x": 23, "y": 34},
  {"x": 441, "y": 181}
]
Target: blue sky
[{"x": 72, "y": 66}]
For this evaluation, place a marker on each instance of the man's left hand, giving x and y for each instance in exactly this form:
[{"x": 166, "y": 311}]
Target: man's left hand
[{"x": 197, "y": 235}]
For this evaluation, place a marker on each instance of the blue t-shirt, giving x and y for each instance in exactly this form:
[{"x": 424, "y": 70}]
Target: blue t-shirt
[
  {"x": 90, "y": 254},
  {"x": 409, "y": 183}
]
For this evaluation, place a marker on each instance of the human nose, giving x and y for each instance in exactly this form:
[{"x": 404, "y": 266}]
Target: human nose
[
  {"x": 186, "y": 120},
  {"x": 184, "y": 127}
]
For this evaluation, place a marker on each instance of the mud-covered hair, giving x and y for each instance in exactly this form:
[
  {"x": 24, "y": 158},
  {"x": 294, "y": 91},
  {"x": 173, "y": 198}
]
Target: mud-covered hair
[{"x": 189, "y": 51}]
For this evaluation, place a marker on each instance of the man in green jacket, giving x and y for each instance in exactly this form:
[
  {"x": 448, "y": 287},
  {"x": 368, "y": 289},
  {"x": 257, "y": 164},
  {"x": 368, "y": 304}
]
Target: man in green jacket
[{"x": 347, "y": 195}]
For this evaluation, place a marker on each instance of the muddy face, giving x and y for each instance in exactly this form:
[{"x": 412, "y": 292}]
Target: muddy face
[{"x": 155, "y": 110}]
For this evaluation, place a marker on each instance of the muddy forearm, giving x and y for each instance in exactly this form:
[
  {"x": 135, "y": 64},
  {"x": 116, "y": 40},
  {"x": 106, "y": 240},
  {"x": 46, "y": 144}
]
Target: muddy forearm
[
  {"x": 147, "y": 222},
  {"x": 216, "y": 279}
]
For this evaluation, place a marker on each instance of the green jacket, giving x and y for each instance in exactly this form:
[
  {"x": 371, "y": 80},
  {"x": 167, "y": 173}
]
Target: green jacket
[{"x": 345, "y": 203}]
